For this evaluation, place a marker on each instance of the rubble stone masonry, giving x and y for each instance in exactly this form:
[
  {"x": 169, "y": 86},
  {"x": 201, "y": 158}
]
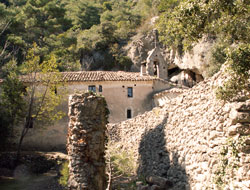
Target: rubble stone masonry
[
  {"x": 195, "y": 141},
  {"x": 88, "y": 115}
]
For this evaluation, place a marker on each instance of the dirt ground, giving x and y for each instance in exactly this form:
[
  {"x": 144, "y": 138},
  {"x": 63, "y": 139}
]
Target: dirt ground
[
  {"x": 46, "y": 181},
  {"x": 22, "y": 178}
]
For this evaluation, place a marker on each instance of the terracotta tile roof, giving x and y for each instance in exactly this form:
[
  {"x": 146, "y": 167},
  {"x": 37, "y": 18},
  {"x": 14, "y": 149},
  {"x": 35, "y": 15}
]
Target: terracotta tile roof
[
  {"x": 105, "y": 76},
  {"x": 88, "y": 76}
]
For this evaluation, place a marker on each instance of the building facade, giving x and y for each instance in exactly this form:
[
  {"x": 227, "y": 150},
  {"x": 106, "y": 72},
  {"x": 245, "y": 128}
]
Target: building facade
[{"x": 127, "y": 94}]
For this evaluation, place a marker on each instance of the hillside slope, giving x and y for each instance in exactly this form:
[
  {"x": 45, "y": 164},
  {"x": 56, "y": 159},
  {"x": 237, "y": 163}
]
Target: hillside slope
[{"x": 195, "y": 141}]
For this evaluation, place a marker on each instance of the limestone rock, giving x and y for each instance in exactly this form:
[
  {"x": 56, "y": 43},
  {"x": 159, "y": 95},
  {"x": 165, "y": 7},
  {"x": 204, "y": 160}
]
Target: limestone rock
[
  {"x": 196, "y": 60},
  {"x": 158, "y": 182}
]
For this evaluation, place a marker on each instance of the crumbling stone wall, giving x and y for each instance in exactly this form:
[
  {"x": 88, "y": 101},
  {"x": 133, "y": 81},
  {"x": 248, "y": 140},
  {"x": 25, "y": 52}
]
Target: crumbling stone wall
[
  {"x": 184, "y": 141},
  {"x": 88, "y": 115}
]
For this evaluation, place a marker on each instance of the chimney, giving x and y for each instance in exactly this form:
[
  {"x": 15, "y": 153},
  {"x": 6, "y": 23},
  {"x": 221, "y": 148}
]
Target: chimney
[{"x": 143, "y": 69}]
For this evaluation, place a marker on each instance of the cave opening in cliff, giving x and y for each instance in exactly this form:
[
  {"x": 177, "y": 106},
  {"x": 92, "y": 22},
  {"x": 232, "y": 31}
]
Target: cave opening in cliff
[
  {"x": 174, "y": 71},
  {"x": 191, "y": 74},
  {"x": 186, "y": 77},
  {"x": 195, "y": 75}
]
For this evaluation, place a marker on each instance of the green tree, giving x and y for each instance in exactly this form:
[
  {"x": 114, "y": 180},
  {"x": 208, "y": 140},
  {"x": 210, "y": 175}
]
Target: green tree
[
  {"x": 84, "y": 14},
  {"x": 12, "y": 103},
  {"x": 68, "y": 29},
  {"x": 123, "y": 16},
  {"x": 41, "y": 98},
  {"x": 238, "y": 66},
  {"x": 41, "y": 22},
  {"x": 192, "y": 19},
  {"x": 166, "y": 5},
  {"x": 6, "y": 51},
  {"x": 98, "y": 37}
]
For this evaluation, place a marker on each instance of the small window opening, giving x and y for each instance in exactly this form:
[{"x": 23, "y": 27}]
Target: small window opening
[
  {"x": 155, "y": 68},
  {"x": 100, "y": 88},
  {"x": 92, "y": 88},
  {"x": 130, "y": 92},
  {"x": 129, "y": 113},
  {"x": 144, "y": 64}
]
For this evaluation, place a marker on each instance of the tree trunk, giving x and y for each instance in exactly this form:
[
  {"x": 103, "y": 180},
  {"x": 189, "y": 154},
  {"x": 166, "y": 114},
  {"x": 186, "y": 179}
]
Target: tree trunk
[{"x": 24, "y": 132}]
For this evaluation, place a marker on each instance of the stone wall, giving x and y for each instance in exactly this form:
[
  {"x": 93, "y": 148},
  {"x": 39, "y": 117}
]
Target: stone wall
[
  {"x": 195, "y": 141},
  {"x": 88, "y": 116},
  {"x": 163, "y": 98}
]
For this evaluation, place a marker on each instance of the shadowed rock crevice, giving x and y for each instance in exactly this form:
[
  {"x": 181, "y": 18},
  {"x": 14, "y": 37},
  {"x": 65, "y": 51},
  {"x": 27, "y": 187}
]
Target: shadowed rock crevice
[
  {"x": 152, "y": 152},
  {"x": 156, "y": 161}
]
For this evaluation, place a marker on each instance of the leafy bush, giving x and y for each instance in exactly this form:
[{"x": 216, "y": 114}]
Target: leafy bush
[
  {"x": 191, "y": 19},
  {"x": 238, "y": 61},
  {"x": 228, "y": 168},
  {"x": 122, "y": 162},
  {"x": 218, "y": 57},
  {"x": 63, "y": 180},
  {"x": 121, "y": 168}
]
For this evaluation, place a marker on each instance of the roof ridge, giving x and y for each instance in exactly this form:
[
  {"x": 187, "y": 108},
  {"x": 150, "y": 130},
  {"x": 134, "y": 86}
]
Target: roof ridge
[{"x": 85, "y": 76}]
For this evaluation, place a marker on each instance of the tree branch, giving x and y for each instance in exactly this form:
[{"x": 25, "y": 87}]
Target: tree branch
[
  {"x": 43, "y": 98},
  {"x": 6, "y": 44},
  {"x": 5, "y": 27}
]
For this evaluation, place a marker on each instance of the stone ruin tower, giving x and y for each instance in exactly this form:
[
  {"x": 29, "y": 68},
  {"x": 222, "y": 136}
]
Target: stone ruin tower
[{"x": 88, "y": 116}]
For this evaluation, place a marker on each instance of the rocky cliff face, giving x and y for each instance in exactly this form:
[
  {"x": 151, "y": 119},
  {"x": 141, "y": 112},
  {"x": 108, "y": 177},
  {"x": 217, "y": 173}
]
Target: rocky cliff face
[
  {"x": 195, "y": 141},
  {"x": 195, "y": 60},
  {"x": 139, "y": 48}
]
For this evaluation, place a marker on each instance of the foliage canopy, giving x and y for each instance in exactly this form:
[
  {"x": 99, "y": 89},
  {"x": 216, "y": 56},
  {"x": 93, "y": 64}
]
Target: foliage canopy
[{"x": 70, "y": 30}]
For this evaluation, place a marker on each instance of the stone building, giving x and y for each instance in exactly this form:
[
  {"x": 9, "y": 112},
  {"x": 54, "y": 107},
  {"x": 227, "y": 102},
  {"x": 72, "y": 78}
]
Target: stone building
[{"x": 127, "y": 94}]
